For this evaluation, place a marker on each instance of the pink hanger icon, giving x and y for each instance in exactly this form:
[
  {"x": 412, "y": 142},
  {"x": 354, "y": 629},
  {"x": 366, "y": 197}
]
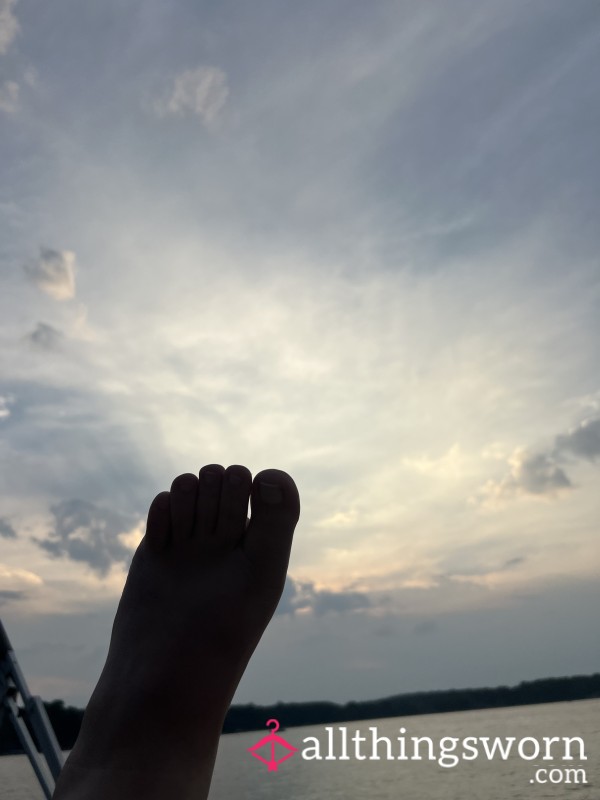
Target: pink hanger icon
[{"x": 273, "y": 739}]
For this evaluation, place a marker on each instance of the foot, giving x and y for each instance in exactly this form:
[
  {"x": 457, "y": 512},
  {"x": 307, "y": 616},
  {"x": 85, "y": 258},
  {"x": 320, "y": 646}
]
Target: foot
[{"x": 202, "y": 587}]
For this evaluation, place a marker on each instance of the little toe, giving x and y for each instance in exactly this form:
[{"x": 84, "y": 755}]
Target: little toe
[
  {"x": 184, "y": 490},
  {"x": 275, "y": 510},
  {"x": 233, "y": 505},
  {"x": 159, "y": 522}
]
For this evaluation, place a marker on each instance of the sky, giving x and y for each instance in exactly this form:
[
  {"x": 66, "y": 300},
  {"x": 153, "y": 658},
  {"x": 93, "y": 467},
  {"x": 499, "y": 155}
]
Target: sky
[{"x": 354, "y": 241}]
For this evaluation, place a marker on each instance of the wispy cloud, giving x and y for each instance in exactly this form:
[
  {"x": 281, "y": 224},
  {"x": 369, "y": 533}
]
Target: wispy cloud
[
  {"x": 15, "y": 578},
  {"x": 9, "y": 25},
  {"x": 54, "y": 273},
  {"x": 200, "y": 92},
  {"x": 5, "y": 402},
  {"x": 9, "y": 97},
  {"x": 448, "y": 465}
]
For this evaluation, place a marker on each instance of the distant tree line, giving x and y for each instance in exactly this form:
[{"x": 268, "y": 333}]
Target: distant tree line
[
  {"x": 546, "y": 690},
  {"x": 66, "y": 720}
]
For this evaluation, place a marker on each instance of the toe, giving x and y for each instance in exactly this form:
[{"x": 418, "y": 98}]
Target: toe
[
  {"x": 184, "y": 490},
  {"x": 275, "y": 505},
  {"x": 210, "y": 480},
  {"x": 159, "y": 521},
  {"x": 233, "y": 505}
]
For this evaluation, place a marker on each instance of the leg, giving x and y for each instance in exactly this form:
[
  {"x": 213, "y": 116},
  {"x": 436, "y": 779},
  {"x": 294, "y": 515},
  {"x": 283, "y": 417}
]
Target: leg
[{"x": 202, "y": 587}]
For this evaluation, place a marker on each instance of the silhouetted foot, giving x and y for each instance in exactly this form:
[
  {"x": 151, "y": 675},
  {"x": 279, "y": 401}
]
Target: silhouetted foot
[{"x": 203, "y": 584}]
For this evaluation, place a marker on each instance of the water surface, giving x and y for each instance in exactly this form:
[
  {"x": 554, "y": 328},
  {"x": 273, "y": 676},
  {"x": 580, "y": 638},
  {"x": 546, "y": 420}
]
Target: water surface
[{"x": 237, "y": 774}]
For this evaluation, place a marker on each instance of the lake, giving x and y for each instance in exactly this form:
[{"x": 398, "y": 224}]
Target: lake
[{"x": 238, "y": 774}]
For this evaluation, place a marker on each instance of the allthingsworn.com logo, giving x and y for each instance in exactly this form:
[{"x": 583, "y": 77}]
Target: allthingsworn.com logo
[{"x": 449, "y": 751}]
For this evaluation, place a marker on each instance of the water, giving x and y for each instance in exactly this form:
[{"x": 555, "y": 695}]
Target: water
[{"x": 237, "y": 774}]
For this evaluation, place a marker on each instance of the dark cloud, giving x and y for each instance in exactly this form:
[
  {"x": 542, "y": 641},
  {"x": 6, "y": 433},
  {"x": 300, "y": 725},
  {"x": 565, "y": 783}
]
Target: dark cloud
[
  {"x": 531, "y": 473},
  {"x": 542, "y": 473},
  {"x": 88, "y": 533},
  {"x": 539, "y": 474},
  {"x": 297, "y": 595},
  {"x": 8, "y": 595},
  {"x": 6, "y": 529},
  {"x": 581, "y": 442},
  {"x": 53, "y": 273},
  {"x": 339, "y": 601},
  {"x": 513, "y": 562},
  {"x": 288, "y": 601},
  {"x": 46, "y": 336}
]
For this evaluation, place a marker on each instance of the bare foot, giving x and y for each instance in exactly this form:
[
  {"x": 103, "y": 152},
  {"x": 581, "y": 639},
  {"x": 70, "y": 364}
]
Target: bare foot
[{"x": 202, "y": 587}]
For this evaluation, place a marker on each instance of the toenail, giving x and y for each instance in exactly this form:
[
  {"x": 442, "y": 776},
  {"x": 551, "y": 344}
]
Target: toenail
[
  {"x": 234, "y": 479},
  {"x": 210, "y": 478},
  {"x": 270, "y": 492}
]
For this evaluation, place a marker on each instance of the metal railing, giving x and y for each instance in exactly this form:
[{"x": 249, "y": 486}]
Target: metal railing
[{"x": 42, "y": 748}]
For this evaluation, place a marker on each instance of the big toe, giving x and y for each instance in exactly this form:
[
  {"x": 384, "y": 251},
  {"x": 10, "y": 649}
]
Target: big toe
[{"x": 275, "y": 510}]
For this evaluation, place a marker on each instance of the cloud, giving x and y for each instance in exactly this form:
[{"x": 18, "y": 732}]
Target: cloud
[
  {"x": 9, "y": 25},
  {"x": 297, "y": 595},
  {"x": 9, "y": 97},
  {"x": 61, "y": 441},
  {"x": 7, "y": 595},
  {"x": 31, "y": 76},
  {"x": 476, "y": 564},
  {"x": 582, "y": 441},
  {"x": 536, "y": 473},
  {"x": 88, "y": 533},
  {"x": 540, "y": 473},
  {"x": 449, "y": 465},
  {"x": 287, "y": 603},
  {"x": 46, "y": 336},
  {"x": 54, "y": 273},
  {"x": 12, "y": 576},
  {"x": 199, "y": 92},
  {"x": 339, "y": 601},
  {"x": 6, "y": 529},
  {"x": 5, "y": 401},
  {"x": 513, "y": 562},
  {"x": 530, "y": 474}
]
